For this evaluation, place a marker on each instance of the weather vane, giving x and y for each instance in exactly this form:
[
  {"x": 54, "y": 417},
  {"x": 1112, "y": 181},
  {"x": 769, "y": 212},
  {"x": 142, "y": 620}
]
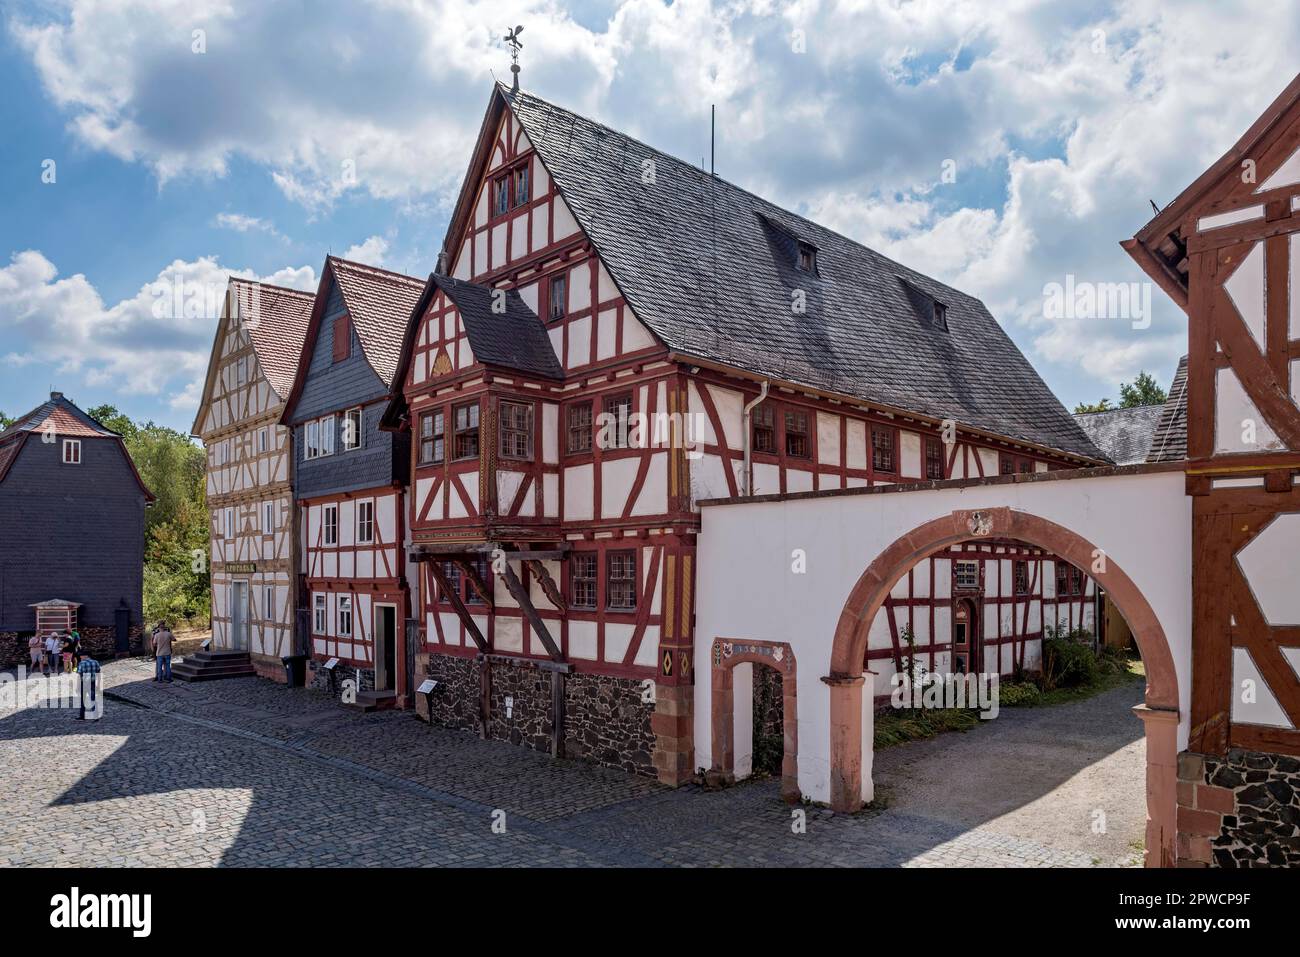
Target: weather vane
[{"x": 512, "y": 38}]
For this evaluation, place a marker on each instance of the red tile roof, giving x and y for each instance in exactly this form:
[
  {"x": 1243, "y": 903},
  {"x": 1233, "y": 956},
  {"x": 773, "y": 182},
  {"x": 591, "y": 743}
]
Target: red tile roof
[
  {"x": 276, "y": 319},
  {"x": 379, "y": 302}
]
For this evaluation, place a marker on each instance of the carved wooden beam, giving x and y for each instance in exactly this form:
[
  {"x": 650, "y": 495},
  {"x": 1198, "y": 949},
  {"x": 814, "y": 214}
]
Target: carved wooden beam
[
  {"x": 549, "y": 588},
  {"x": 444, "y": 586},
  {"x": 476, "y": 582},
  {"x": 520, "y": 594}
]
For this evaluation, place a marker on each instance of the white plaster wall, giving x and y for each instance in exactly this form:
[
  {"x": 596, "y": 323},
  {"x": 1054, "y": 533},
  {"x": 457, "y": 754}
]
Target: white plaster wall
[{"x": 747, "y": 590}]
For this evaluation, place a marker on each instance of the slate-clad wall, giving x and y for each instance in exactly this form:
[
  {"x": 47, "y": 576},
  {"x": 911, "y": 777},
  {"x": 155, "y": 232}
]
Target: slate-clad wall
[
  {"x": 333, "y": 387},
  {"x": 70, "y": 531}
]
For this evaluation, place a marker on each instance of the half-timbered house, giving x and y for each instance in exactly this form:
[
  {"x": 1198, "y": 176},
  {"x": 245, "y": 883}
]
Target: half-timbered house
[
  {"x": 350, "y": 477},
  {"x": 72, "y": 511},
  {"x": 254, "y": 552},
  {"x": 613, "y": 335}
]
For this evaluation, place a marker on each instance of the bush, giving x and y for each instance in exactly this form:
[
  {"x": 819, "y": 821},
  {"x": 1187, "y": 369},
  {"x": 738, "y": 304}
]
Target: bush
[
  {"x": 1068, "y": 659},
  {"x": 1018, "y": 694}
]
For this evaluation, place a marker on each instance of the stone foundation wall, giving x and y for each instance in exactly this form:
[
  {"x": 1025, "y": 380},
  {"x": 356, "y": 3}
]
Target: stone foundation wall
[
  {"x": 605, "y": 720},
  {"x": 100, "y": 642},
  {"x": 269, "y": 666},
  {"x": 319, "y": 678},
  {"x": 1242, "y": 810}
]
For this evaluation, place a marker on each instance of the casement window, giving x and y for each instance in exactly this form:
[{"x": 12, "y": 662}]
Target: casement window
[
  {"x": 620, "y": 581},
  {"x": 1062, "y": 579},
  {"x": 263, "y": 440},
  {"x": 342, "y": 338},
  {"x": 345, "y": 616},
  {"x": 311, "y": 445},
  {"x": 465, "y": 424},
  {"x": 1076, "y": 581},
  {"x": 318, "y": 614},
  {"x": 618, "y": 410},
  {"x": 882, "y": 449},
  {"x": 933, "y": 457},
  {"x": 941, "y": 316},
  {"x": 268, "y": 603},
  {"x": 327, "y": 435},
  {"x": 458, "y": 582},
  {"x": 1009, "y": 464},
  {"x": 268, "y": 518},
  {"x": 365, "y": 523},
  {"x": 351, "y": 429},
  {"x": 1020, "y": 572},
  {"x": 558, "y": 296},
  {"x": 796, "y": 434},
  {"x": 510, "y": 190},
  {"x": 501, "y": 196},
  {"x": 807, "y": 257},
  {"x": 71, "y": 451},
  {"x": 520, "y": 181},
  {"x": 763, "y": 420},
  {"x": 578, "y": 428},
  {"x": 582, "y": 572},
  {"x": 330, "y": 525},
  {"x": 433, "y": 440},
  {"x": 516, "y": 436},
  {"x": 451, "y": 572},
  {"x": 966, "y": 574},
  {"x": 229, "y": 523}
]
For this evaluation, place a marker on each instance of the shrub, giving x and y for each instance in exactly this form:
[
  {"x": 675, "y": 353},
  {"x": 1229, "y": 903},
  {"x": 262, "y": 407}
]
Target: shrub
[
  {"x": 1019, "y": 694},
  {"x": 1068, "y": 659}
]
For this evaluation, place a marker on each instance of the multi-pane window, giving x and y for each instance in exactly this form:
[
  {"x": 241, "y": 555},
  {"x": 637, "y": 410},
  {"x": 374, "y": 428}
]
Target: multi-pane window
[
  {"x": 318, "y": 614},
  {"x": 311, "y": 447},
  {"x": 1009, "y": 464},
  {"x": 559, "y": 290},
  {"x": 882, "y": 449},
  {"x": 578, "y": 427},
  {"x": 465, "y": 424},
  {"x": 620, "y": 581},
  {"x": 345, "y": 616},
  {"x": 583, "y": 577},
  {"x": 330, "y": 525},
  {"x": 966, "y": 574},
  {"x": 451, "y": 572},
  {"x": 268, "y": 603},
  {"x": 510, "y": 190},
  {"x": 365, "y": 523},
  {"x": 268, "y": 518},
  {"x": 1076, "y": 581},
  {"x": 1062, "y": 579},
  {"x": 432, "y": 439},
  {"x": 471, "y": 595},
  {"x": 501, "y": 195},
  {"x": 796, "y": 434},
  {"x": 933, "y": 457},
  {"x": 618, "y": 410},
  {"x": 807, "y": 257},
  {"x": 764, "y": 422},
  {"x": 519, "y": 178},
  {"x": 327, "y": 435},
  {"x": 1021, "y": 575},
  {"x": 351, "y": 429},
  {"x": 71, "y": 451},
  {"x": 516, "y": 430}
]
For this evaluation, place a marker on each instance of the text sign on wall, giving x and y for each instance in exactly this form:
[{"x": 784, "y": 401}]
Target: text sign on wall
[{"x": 240, "y": 568}]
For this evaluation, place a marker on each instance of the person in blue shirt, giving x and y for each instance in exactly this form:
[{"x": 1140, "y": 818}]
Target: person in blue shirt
[{"x": 88, "y": 675}]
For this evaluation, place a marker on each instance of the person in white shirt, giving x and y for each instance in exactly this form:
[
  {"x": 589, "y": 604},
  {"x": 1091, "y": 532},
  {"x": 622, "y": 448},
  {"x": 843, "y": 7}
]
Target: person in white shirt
[{"x": 53, "y": 651}]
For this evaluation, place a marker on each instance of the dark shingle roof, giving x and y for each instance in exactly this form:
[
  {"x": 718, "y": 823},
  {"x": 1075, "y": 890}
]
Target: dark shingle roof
[
  {"x": 1169, "y": 444},
  {"x": 62, "y": 415},
  {"x": 861, "y": 334},
  {"x": 276, "y": 319},
  {"x": 1124, "y": 435},
  {"x": 379, "y": 302},
  {"x": 515, "y": 339}
]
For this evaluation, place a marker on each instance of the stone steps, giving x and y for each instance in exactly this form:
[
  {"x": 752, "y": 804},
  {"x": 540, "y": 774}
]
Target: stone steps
[{"x": 213, "y": 665}]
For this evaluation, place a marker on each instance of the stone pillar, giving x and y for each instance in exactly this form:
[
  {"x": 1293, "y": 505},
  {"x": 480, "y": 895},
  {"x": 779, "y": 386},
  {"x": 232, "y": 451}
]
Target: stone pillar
[
  {"x": 674, "y": 734},
  {"x": 846, "y": 742},
  {"x": 1162, "y": 784}
]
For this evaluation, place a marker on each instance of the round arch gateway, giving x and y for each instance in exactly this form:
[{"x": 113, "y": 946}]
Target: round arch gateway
[{"x": 845, "y": 680}]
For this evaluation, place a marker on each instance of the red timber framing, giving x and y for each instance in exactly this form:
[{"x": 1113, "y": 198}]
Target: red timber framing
[{"x": 1225, "y": 250}]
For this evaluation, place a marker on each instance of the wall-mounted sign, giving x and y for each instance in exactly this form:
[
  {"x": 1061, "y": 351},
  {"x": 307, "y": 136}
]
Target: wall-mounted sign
[{"x": 240, "y": 568}]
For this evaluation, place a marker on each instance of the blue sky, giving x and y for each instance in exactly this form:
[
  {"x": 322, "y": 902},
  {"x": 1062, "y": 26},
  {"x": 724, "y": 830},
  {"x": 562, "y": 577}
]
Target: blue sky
[{"x": 174, "y": 164}]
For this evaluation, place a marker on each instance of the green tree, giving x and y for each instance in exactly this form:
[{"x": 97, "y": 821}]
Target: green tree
[
  {"x": 1085, "y": 407},
  {"x": 5, "y": 421},
  {"x": 1144, "y": 390}
]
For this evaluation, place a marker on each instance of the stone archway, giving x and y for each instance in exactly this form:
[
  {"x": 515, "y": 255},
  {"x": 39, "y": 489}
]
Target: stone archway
[
  {"x": 1159, "y": 713},
  {"x": 726, "y": 654}
]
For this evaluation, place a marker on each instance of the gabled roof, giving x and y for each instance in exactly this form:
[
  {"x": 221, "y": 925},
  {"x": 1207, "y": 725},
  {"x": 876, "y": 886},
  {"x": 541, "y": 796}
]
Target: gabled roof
[
  {"x": 1159, "y": 247},
  {"x": 1124, "y": 435},
  {"x": 379, "y": 303},
  {"x": 861, "y": 334},
  {"x": 515, "y": 339},
  {"x": 275, "y": 318},
  {"x": 67, "y": 421},
  {"x": 1169, "y": 443}
]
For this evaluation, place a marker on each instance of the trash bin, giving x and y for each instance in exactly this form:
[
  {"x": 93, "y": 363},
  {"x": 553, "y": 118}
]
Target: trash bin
[{"x": 295, "y": 670}]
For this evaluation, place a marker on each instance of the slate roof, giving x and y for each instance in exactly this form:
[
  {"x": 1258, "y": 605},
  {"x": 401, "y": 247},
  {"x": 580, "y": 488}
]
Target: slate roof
[
  {"x": 862, "y": 334},
  {"x": 277, "y": 334},
  {"x": 515, "y": 339},
  {"x": 1169, "y": 444},
  {"x": 379, "y": 302},
  {"x": 1124, "y": 435}
]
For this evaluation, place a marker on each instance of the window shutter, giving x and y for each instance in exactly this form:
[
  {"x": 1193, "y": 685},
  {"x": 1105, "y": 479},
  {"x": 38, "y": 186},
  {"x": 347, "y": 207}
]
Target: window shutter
[{"x": 342, "y": 338}]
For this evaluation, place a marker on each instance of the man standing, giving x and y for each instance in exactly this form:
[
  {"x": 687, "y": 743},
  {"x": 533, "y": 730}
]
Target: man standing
[
  {"x": 162, "y": 649},
  {"x": 53, "y": 649},
  {"x": 88, "y": 673}
]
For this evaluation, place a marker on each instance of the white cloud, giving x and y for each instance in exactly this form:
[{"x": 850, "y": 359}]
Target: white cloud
[
  {"x": 241, "y": 223},
  {"x": 371, "y": 252}
]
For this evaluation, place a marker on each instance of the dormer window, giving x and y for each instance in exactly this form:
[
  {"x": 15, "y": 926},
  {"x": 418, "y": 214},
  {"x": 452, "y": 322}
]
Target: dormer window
[
  {"x": 71, "y": 451},
  {"x": 941, "y": 315},
  {"x": 808, "y": 257}
]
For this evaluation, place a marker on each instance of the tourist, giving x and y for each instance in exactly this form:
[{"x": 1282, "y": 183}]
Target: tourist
[
  {"x": 53, "y": 645},
  {"x": 74, "y": 648},
  {"x": 162, "y": 649},
  {"x": 35, "y": 645},
  {"x": 88, "y": 672}
]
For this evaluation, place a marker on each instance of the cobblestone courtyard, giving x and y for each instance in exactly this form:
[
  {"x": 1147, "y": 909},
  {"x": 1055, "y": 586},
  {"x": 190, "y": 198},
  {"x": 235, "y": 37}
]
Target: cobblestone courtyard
[{"x": 244, "y": 772}]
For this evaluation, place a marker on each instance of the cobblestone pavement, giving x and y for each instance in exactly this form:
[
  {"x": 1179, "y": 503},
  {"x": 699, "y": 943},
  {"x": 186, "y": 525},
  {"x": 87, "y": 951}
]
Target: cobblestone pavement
[{"x": 244, "y": 772}]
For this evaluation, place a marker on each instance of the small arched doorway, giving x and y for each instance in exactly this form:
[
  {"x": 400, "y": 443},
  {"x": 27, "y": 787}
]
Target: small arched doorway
[
  {"x": 733, "y": 665},
  {"x": 1159, "y": 713}
]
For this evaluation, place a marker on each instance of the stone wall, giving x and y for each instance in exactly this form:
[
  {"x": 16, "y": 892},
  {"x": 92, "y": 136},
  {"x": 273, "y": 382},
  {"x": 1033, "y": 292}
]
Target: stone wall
[
  {"x": 605, "y": 720},
  {"x": 319, "y": 678},
  {"x": 1242, "y": 810},
  {"x": 100, "y": 642}
]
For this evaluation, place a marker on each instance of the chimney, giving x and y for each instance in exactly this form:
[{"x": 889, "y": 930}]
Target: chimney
[
  {"x": 441, "y": 267},
  {"x": 56, "y": 396}
]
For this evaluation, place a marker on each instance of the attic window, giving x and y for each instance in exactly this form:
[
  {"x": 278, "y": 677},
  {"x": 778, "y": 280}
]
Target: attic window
[
  {"x": 807, "y": 257},
  {"x": 941, "y": 315}
]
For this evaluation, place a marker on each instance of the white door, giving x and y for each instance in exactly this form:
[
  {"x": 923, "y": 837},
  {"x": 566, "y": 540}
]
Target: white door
[{"x": 239, "y": 616}]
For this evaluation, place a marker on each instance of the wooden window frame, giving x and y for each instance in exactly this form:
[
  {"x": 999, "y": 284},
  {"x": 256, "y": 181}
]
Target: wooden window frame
[
  {"x": 934, "y": 444},
  {"x": 509, "y": 432},
  {"x": 1017, "y": 463},
  {"x": 1062, "y": 579},
  {"x": 228, "y": 523},
  {"x": 354, "y": 414},
  {"x": 583, "y": 429},
  {"x": 436, "y": 440},
  {"x": 509, "y": 180},
  {"x": 458, "y": 433},
  {"x": 326, "y": 525},
  {"x": 891, "y": 433},
  {"x": 806, "y": 257},
  {"x": 263, "y": 445},
  {"x": 327, "y": 435},
  {"x": 762, "y": 426},
  {"x": 561, "y": 281},
  {"x": 368, "y": 523},
  {"x": 956, "y": 576},
  {"x": 1020, "y": 577},
  {"x": 320, "y": 613},
  {"x": 611, "y": 557},
  {"x": 345, "y": 608},
  {"x": 268, "y": 518},
  {"x": 73, "y": 446},
  {"x": 311, "y": 440},
  {"x": 623, "y": 429},
  {"x": 580, "y": 578},
  {"x": 798, "y": 416},
  {"x": 342, "y": 334},
  {"x": 268, "y": 603}
]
